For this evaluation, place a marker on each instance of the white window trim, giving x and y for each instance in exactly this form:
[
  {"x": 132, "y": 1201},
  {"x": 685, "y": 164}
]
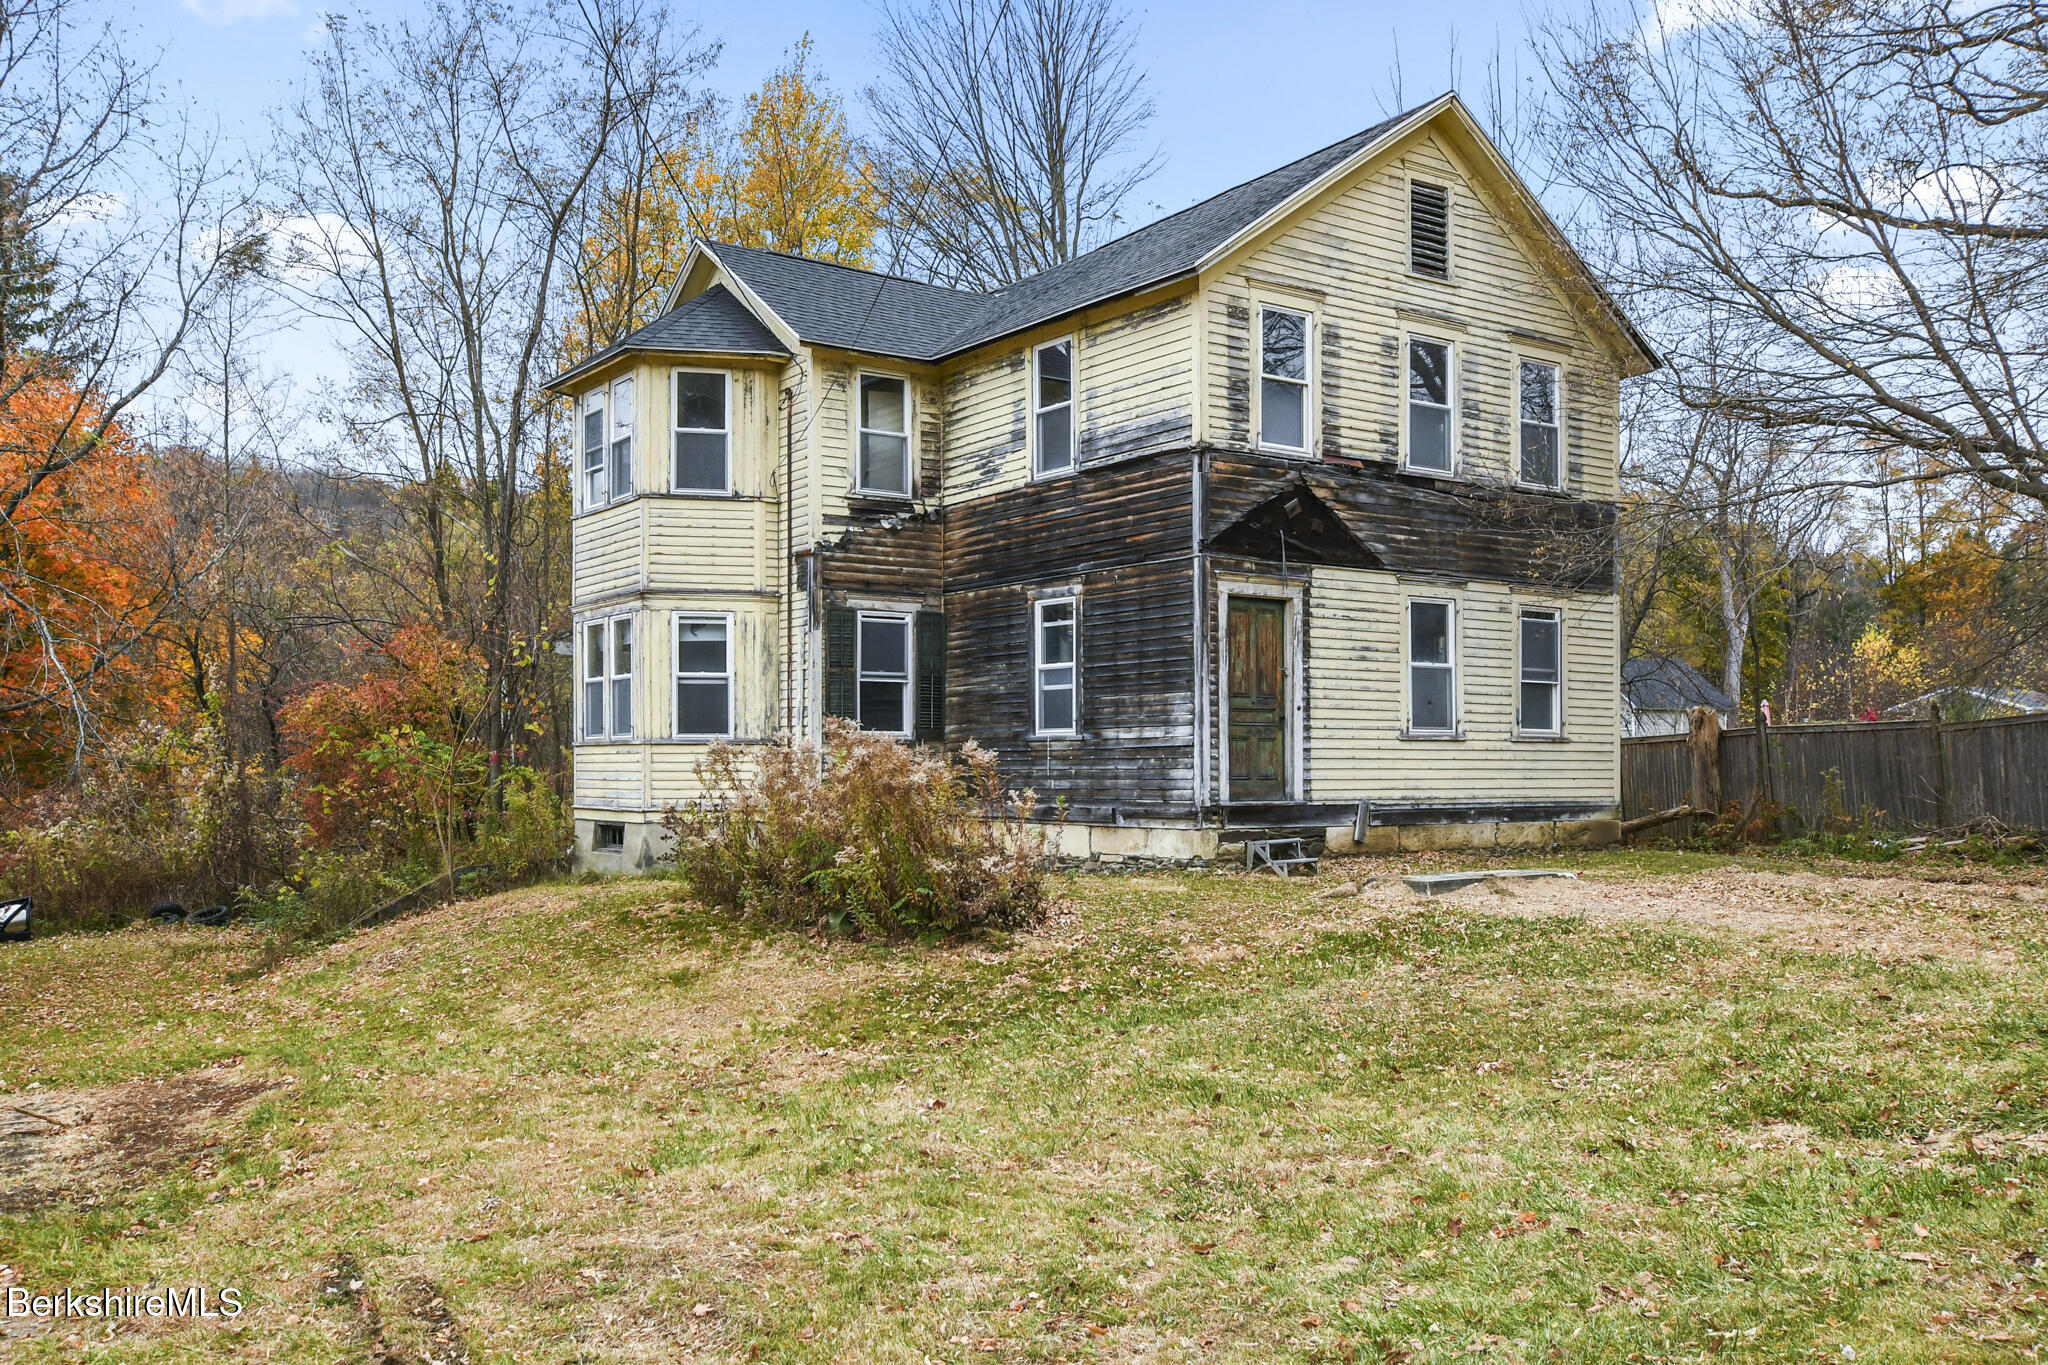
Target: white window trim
[
  {"x": 676, "y": 674},
  {"x": 860, "y": 667},
  {"x": 1450, "y": 274},
  {"x": 1260, "y": 308},
  {"x": 612, "y": 733},
  {"x": 1556, "y": 614},
  {"x": 1038, "y": 664},
  {"x": 1072, "y": 407},
  {"x": 1409, "y": 665},
  {"x": 1557, "y": 379},
  {"x": 1408, "y": 340},
  {"x": 860, "y": 377},
  {"x": 632, "y": 437},
  {"x": 675, "y": 427},
  {"x": 599, "y": 400}
]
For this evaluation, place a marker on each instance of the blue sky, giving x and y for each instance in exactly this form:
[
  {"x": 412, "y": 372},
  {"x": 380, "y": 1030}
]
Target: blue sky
[{"x": 1240, "y": 88}]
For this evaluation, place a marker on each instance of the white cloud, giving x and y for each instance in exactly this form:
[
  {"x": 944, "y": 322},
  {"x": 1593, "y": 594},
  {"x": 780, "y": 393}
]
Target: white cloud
[
  {"x": 223, "y": 12},
  {"x": 1669, "y": 18},
  {"x": 97, "y": 207},
  {"x": 1860, "y": 290}
]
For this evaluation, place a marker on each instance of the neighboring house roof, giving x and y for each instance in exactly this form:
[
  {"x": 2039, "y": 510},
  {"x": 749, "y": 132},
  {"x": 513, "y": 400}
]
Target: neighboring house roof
[
  {"x": 1659, "y": 683},
  {"x": 2018, "y": 701},
  {"x": 713, "y": 321},
  {"x": 862, "y": 310}
]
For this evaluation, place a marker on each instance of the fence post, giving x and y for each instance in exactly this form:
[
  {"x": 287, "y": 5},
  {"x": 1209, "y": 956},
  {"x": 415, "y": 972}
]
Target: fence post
[
  {"x": 1705, "y": 746},
  {"x": 1943, "y": 802}
]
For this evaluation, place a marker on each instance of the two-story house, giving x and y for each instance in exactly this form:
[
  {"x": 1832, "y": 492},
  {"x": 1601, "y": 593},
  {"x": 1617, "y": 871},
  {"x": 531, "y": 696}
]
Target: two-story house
[{"x": 1291, "y": 511}]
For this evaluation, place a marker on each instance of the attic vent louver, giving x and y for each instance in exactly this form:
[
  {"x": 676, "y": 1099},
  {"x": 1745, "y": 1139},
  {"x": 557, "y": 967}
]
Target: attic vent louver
[{"x": 1429, "y": 230}]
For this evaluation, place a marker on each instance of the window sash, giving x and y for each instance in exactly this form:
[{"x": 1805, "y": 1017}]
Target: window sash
[
  {"x": 593, "y": 437},
  {"x": 1283, "y": 395},
  {"x": 608, "y": 678},
  {"x": 621, "y": 439},
  {"x": 888, "y": 687},
  {"x": 1053, "y": 423},
  {"x": 1539, "y": 707},
  {"x": 879, "y": 445},
  {"x": 1056, "y": 666},
  {"x": 698, "y": 687},
  {"x": 699, "y": 447},
  {"x": 1430, "y": 429},
  {"x": 1433, "y": 680},
  {"x": 1542, "y": 437}
]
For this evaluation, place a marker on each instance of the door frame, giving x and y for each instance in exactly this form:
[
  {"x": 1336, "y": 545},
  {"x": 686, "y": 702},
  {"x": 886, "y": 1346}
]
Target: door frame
[{"x": 1292, "y": 595}]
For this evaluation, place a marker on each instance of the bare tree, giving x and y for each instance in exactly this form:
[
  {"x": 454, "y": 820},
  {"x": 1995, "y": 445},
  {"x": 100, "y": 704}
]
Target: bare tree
[
  {"x": 117, "y": 226},
  {"x": 1007, "y": 133},
  {"x": 443, "y": 165},
  {"x": 1856, "y": 193}
]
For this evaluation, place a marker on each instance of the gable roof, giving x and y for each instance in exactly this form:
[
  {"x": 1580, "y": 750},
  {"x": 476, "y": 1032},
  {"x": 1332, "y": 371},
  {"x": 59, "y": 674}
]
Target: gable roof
[
  {"x": 852, "y": 309},
  {"x": 862, "y": 310},
  {"x": 1660, "y": 683},
  {"x": 713, "y": 321},
  {"x": 844, "y": 306}
]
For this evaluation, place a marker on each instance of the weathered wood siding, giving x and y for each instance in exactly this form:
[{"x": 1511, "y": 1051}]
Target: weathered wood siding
[
  {"x": 660, "y": 552},
  {"x": 1345, "y": 260},
  {"x": 1119, "y": 537},
  {"x": 1357, "y": 697},
  {"x": 1133, "y": 393},
  {"x": 832, "y": 439},
  {"x": 1431, "y": 526}
]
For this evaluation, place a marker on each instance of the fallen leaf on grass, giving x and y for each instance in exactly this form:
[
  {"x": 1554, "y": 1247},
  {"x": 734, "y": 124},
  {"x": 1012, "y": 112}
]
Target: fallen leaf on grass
[{"x": 702, "y": 1310}]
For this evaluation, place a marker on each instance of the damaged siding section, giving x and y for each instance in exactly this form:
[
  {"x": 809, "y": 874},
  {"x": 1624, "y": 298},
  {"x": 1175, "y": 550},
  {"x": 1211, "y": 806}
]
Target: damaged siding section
[{"x": 1136, "y": 380}]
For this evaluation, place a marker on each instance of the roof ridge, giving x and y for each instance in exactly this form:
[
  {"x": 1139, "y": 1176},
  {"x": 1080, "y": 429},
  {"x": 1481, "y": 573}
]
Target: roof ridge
[{"x": 1211, "y": 198}]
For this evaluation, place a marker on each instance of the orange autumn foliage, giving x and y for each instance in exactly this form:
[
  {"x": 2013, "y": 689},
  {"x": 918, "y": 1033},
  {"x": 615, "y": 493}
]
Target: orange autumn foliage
[
  {"x": 85, "y": 567},
  {"x": 418, "y": 684}
]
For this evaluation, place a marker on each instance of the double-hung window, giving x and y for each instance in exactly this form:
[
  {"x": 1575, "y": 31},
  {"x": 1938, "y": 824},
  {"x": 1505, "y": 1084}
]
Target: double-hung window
[
  {"x": 1542, "y": 672},
  {"x": 703, "y": 676},
  {"x": 1054, "y": 666},
  {"x": 1429, "y": 406},
  {"x": 702, "y": 438},
  {"x": 622, "y": 438},
  {"x": 1540, "y": 425},
  {"x": 882, "y": 667},
  {"x": 884, "y": 436},
  {"x": 1283, "y": 379},
  {"x": 596, "y": 490},
  {"x": 1432, "y": 668},
  {"x": 608, "y": 678},
  {"x": 1052, "y": 401}
]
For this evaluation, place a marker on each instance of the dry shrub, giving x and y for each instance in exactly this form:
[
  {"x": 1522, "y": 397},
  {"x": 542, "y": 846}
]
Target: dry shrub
[{"x": 869, "y": 835}]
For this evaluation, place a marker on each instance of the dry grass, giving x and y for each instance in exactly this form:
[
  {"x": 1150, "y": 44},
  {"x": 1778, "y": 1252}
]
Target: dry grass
[{"x": 1666, "y": 1111}]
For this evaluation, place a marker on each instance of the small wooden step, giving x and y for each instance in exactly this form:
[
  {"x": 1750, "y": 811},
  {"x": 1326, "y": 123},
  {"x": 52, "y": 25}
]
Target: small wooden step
[{"x": 1281, "y": 856}]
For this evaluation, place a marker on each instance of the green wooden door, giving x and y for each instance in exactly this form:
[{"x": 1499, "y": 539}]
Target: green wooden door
[{"x": 1258, "y": 699}]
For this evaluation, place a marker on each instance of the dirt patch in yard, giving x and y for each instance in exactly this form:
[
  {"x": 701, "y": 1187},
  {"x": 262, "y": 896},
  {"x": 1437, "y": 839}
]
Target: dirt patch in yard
[
  {"x": 58, "y": 1145},
  {"x": 1888, "y": 918}
]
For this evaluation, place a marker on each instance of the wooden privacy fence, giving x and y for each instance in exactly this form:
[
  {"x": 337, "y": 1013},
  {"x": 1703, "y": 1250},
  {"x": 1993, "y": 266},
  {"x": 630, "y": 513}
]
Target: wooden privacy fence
[{"x": 1898, "y": 774}]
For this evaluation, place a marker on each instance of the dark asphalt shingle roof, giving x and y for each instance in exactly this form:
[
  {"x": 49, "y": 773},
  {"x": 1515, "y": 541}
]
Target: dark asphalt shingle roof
[
  {"x": 859, "y": 310},
  {"x": 712, "y": 321},
  {"x": 1658, "y": 683},
  {"x": 843, "y": 305}
]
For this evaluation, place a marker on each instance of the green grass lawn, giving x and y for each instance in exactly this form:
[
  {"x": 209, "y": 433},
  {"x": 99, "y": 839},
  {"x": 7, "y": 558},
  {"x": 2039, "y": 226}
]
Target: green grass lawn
[{"x": 1684, "y": 1107}]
